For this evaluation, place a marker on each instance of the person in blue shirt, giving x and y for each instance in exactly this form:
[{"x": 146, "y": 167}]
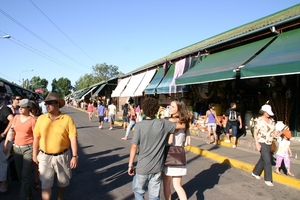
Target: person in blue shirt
[{"x": 101, "y": 114}]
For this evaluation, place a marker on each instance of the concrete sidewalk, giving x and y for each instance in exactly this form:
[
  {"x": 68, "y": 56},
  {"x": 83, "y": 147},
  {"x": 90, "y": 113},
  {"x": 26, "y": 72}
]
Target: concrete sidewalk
[{"x": 244, "y": 157}]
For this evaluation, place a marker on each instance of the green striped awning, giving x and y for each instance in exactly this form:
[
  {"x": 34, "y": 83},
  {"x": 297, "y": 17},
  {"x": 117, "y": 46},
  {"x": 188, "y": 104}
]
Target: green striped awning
[
  {"x": 281, "y": 57},
  {"x": 151, "y": 88},
  {"x": 221, "y": 66}
]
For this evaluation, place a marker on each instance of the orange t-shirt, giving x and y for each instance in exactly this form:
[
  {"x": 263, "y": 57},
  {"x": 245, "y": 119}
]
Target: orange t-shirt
[{"x": 23, "y": 130}]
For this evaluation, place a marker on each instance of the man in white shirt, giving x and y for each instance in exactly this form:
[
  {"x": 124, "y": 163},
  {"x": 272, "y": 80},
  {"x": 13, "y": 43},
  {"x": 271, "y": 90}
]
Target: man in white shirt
[
  {"x": 43, "y": 107},
  {"x": 112, "y": 113}
]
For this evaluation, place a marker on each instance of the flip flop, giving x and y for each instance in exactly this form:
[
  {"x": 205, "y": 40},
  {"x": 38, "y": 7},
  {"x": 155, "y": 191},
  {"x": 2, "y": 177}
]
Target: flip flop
[
  {"x": 290, "y": 174},
  {"x": 277, "y": 172}
]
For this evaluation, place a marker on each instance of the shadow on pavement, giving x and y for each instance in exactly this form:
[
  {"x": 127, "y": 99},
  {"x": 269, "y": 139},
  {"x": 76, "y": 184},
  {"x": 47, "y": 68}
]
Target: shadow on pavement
[{"x": 206, "y": 179}]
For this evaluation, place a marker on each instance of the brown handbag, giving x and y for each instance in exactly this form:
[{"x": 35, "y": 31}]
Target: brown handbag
[
  {"x": 175, "y": 156},
  {"x": 273, "y": 147}
]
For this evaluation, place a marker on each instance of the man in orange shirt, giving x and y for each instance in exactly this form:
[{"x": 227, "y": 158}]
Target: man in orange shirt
[{"x": 46, "y": 152}]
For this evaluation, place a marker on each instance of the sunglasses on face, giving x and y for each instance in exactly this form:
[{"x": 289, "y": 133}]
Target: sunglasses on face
[
  {"x": 18, "y": 99},
  {"x": 50, "y": 103}
]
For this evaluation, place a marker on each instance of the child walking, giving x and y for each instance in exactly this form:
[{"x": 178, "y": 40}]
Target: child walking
[{"x": 284, "y": 151}]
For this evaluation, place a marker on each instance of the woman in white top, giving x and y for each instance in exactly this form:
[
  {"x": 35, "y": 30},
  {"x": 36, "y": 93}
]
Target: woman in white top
[
  {"x": 179, "y": 113},
  {"x": 264, "y": 133}
]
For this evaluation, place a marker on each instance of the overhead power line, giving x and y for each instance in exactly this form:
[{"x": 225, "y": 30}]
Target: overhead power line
[
  {"x": 26, "y": 46},
  {"x": 41, "y": 39},
  {"x": 62, "y": 31}
]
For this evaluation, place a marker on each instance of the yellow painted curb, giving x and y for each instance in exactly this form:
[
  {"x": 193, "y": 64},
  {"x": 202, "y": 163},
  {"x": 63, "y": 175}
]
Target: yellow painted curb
[{"x": 283, "y": 179}]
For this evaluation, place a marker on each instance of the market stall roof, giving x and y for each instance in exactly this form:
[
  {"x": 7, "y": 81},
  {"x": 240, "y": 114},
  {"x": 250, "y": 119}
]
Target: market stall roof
[
  {"x": 222, "y": 65},
  {"x": 80, "y": 94},
  {"x": 165, "y": 85},
  {"x": 146, "y": 80},
  {"x": 120, "y": 87},
  {"x": 274, "y": 19},
  {"x": 91, "y": 89},
  {"x": 281, "y": 57},
  {"x": 8, "y": 89},
  {"x": 133, "y": 84},
  {"x": 98, "y": 90},
  {"x": 151, "y": 88}
]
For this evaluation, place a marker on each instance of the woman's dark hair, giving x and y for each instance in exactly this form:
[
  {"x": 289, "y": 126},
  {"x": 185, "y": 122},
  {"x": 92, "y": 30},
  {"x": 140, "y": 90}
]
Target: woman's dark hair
[
  {"x": 130, "y": 100},
  {"x": 150, "y": 107},
  {"x": 261, "y": 112},
  {"x": 35, "y": 106},
  {"x": 211, "y": 105},
  {"x": 183, "y": 112}
]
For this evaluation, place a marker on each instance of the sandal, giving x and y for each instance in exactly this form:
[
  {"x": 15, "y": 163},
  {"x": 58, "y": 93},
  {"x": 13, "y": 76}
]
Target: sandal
[
  {"x": 290, "y": 174},
  {"x": 37, "y": 186},
  {"x": 277, "y": 172}
]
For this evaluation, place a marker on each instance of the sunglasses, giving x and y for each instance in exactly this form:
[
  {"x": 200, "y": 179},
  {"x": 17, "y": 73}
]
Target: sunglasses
[
  {"x": 18, "y": 99},
  {"x": 50, "y": 103}
]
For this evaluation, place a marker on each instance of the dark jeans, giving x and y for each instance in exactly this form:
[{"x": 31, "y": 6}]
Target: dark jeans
[{"x": 264, "y": 163}]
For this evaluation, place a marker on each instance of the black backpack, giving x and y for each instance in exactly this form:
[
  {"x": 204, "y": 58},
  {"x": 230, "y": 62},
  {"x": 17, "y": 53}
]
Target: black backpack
[{"x": 232, "y": 116}]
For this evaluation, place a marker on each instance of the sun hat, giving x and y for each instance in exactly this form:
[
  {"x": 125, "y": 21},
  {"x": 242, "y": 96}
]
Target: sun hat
[
  {"x": 287, "y": 134},
  {"x": 25, "y": 103},
  {"x": 267, "y": 109},
  {"x": 52, "y": 96}
]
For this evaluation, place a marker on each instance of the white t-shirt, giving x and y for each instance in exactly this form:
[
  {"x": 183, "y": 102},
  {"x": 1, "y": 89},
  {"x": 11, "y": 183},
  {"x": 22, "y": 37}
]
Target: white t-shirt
[
  {"x": 112, "y": 109},
  {"x": 283, "y": 147}
]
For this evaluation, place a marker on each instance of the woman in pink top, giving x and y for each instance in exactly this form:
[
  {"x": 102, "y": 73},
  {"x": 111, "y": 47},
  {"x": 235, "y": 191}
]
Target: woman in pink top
[
  {"x": 90, "y": 111},
  {"x": 22, "y": 126}
]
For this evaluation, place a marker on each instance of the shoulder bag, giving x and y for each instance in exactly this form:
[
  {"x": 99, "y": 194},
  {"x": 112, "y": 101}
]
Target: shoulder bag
[
  {"x": 175, "y": 156},
  {"x": 273, "y": 147}
]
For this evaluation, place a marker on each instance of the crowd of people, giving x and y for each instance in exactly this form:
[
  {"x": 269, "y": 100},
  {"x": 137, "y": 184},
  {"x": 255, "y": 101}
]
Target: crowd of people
[{"x": 27, "y": 138}]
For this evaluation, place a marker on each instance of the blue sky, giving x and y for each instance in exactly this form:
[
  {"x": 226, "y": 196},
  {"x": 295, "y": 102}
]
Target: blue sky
[{"x": 66, "y": 38}]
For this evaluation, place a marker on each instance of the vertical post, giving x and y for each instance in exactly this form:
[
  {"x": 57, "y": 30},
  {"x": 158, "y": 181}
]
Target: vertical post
[{"x": 296, "y": 118}]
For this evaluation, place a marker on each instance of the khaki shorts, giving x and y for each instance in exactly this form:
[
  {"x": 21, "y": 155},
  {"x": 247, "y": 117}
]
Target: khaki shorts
[{"x": 50, "y": 165}]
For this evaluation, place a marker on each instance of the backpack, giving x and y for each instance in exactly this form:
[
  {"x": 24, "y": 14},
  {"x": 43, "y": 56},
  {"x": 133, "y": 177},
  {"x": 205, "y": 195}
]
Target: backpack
[{"x": 232, "y": 116}]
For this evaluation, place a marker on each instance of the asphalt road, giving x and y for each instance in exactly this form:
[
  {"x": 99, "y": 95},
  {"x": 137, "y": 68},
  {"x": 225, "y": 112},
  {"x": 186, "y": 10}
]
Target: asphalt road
[{"x": 102, "y": 171}]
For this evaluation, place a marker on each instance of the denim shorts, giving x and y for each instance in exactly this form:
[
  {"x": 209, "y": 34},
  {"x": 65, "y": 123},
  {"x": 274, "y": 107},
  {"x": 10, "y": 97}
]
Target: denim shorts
[
  {"x": 234, "y": 129},
  {"x": 142, "y": 182}
]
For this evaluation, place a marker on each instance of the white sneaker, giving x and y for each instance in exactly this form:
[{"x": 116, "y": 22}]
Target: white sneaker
[
  {"x": 100, "y": 127},
  {"x": 110, "y": 128},
  {"x": 255, "y": 176},
  {"x": 234, "y": 146},
  {"x": 227, "y": 141}
]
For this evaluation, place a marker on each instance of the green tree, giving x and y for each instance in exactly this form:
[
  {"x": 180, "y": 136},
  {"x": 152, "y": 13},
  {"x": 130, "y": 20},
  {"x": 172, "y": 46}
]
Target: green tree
[
  {"x": 37, "y": 83},
  {"x": 101, "y": 72},
  {"x": 62, "y": 86},
  {"x": 104, "y": 72},
  {"x": 84, "y": 82}
]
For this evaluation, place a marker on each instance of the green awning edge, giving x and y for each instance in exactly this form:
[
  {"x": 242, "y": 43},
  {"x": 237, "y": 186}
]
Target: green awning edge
[
  {"x": 151, "y": 88},
  {"x": 222, "y": 65},
  {"x": 281, "y": 57}
]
